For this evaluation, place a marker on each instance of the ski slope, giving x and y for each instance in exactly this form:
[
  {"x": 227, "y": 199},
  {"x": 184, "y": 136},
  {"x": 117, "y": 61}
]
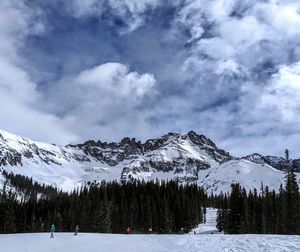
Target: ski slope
[
  {"x": 66, "y": 242},
  {"x": 209, "y": 227}
]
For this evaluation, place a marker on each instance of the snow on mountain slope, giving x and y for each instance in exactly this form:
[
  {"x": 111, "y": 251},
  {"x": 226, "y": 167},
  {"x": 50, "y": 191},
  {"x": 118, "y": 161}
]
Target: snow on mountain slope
[
  {"x": 250, "y": 175},
  {"x": 46, "y": 163},
  {"x": 187, "y": 158},
  {"x": 67, "y": 242}
]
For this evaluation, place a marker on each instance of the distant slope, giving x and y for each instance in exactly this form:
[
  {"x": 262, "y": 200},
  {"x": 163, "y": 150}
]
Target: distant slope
[
  {"x": 186, "y": 158},
  {"x": 250, "y": 175},
  {"x": 210, "y": 224}
]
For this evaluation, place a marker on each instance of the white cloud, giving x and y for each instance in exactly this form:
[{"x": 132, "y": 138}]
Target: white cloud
[
  {"x": 282, "y": 95},
  {"x": 235, "y": 49},
  {"x": 282, "y": 17},
  {"x": 19, "y": 99},
  {"x": 215, "y": 48},
  {"x": 223, "y": 83},
  {"x": 104, "y": 101},
  {"x": 244, "y": 32},
  {"x": 115, "y": 79},
  {"x": 227, "y": 66},
  {"x": 131, "y": 11},
  {"x": 267, "y": 116},
  {"x": 195, "y": 14},
  {"x": 237, "y": 26}
]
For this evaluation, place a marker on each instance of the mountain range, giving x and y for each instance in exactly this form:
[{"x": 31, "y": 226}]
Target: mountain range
[{"x": 186, "y": 158}]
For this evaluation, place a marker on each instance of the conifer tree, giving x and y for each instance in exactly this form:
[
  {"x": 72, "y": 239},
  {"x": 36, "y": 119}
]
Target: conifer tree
[
  {"x": 292, "y": 203},
  {"x": 236, "y": 224}
]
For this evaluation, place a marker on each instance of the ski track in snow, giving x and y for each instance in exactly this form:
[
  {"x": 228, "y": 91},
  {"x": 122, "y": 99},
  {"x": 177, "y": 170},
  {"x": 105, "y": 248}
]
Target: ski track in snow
[
  {"x": 66, "y": 242},
  {"x": 209, "y": 227}
]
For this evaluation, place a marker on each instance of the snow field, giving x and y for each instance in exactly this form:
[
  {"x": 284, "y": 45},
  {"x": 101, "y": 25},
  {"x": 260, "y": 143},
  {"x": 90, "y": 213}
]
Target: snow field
[{"x": 86, "y": 242}]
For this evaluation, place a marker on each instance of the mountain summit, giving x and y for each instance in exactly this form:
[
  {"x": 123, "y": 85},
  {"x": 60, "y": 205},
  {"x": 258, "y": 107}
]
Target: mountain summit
[{"x": 186, "y": 158}]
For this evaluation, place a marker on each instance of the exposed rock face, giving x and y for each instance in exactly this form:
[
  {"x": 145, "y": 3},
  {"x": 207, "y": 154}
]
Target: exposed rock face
[
  {"x": 186, "y": 158},
  {"x": 276, "y": 162},
  {"x": 111, "y": 153},
  {"x": 218, "y": 154},
  {"x": 181, "y": 155},
  {"x": 10, "y": 157},
  {"x": 153, "y": 154}
]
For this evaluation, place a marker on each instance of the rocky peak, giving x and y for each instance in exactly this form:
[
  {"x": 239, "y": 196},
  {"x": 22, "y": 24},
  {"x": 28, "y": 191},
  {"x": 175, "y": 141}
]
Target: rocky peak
[
  {"x": 201, "y": 140},
  {"x": 255, "y": 158},
  {"x": 183, "y": 157},
  {"x": 274, "y": 161},
  {"x": 210, "y": 147},
  {"x": 128, "y": 141},
  {"x": 278, "y": 163},
  {"x": 153, "y": 144}
]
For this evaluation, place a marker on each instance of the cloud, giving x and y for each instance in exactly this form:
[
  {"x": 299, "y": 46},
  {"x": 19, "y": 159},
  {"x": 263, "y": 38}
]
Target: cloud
[
  {"x": 241, "y": 30},
  {"x": 282, "y": 95},
  {"x": 225, "y": 68},
  {"x": 19, "y": 98},
  {"x": 115, "y": 79},
  {"x": 281, "y": 16},
  {"x": 267, "y": 114},
  {"x": 131, "y": 12},
  {"x": 104, "y": 100},
  {"x": 242, "y": 58}
]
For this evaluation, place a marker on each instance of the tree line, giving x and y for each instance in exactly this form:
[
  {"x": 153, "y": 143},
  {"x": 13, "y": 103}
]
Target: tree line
[
  {"x": 165, "y": 207},
  {"x": 266, "y": 212}
]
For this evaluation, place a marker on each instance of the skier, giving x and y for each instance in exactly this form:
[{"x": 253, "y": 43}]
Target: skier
[
  {"x": 52, "y": 230},
  {"x": 150, "y": 230},
  {"x": 76, "y": 230},
  {"x": 128, "y": 230}
]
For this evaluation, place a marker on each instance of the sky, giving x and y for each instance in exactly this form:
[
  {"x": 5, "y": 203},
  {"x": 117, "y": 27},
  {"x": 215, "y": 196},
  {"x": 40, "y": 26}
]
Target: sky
[{"x": 105, "y": 69}]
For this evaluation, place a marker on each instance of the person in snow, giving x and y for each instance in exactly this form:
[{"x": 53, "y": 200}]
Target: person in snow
[
  {"x": 52, "y": 230},
  {"x": 128, "y": 230},
  {"x": 150, "y": 230},
  {"x": 76, "y": 230}
]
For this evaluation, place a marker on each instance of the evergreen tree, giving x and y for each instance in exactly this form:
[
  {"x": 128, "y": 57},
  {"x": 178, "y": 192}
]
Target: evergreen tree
[
  {"x": 236, "y": 223},
  {"x": 292, "y": 203}
]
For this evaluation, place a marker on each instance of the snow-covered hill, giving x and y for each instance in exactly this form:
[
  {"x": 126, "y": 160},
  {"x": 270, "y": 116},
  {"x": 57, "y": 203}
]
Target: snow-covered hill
[
  {"x": 183, "y": 157},
  {"x": 148, "y": 243},
  {"x": 250, "y": 175}
]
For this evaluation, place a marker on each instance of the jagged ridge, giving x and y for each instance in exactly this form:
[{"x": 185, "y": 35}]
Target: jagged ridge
[{"x": 183, "y": 157}]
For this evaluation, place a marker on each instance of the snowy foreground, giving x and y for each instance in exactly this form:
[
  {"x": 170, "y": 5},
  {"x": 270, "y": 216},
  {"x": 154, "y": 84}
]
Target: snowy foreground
[
  {"x": 207, "y": 239},
  {"x": 66, "y": 242}
]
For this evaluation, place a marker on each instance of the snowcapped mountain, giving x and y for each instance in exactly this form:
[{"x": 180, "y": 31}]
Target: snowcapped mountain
[
  {"x": 182, "y": 157},
  {"x": 276, "y": 162}
]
